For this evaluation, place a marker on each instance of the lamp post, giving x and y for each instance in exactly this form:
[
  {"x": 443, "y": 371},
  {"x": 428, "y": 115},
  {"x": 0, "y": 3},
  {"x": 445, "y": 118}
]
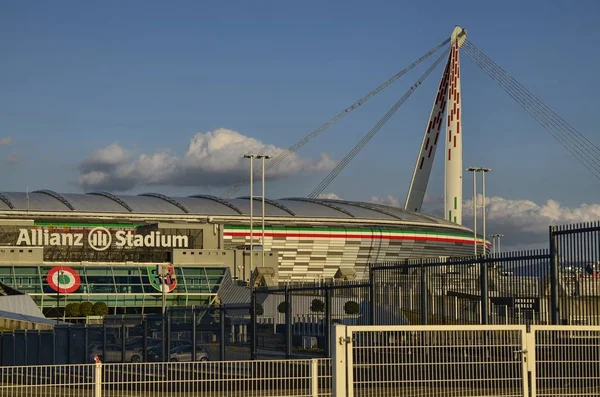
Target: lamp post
[
  {"x": 483, "y": 172},
  {"x": 263, "y": 157},
  {"x": 497, "y": 245},
  {"x": 475, "y": 170},
  {"x": 251, "y": 157}
]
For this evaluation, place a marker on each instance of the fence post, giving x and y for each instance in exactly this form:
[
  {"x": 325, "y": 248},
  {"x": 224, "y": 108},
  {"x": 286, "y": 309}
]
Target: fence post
[
  {"x": 288, "y": 323},
  {"x": 483, "y": 279},
  {"x": 221, "y": 333},
  {"x": 314, "y": 378},
  {"x": 98, "y": 379},
  {"x": 253, "y": 324},
  {"x": 338, "y": 361},
  {"x": 328, "y": 318},
  {"x": 423, "y": 296},
  {"x": 554, "y": 275},
  {"x": 372, "y": 306}
]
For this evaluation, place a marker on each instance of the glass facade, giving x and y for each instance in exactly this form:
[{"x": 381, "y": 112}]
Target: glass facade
[{"x": 124, "y": 288}]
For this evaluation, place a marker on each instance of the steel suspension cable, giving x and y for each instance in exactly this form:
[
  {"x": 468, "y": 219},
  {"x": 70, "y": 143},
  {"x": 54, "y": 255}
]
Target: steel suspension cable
[
  {"x": 361, "y": 144},
  {"x": 582, "y": 138},
  {"x": 575, "y": 147},
  {"x": 576, "y": 143},
  {"x": 292, "y": 149}
]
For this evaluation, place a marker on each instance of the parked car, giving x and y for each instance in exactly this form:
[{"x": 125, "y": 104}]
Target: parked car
[
  {"x": 180, "y": 353},
  {"x": 114, "y": 354}
]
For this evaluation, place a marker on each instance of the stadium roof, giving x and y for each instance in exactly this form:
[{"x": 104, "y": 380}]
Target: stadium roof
[{"x": 204, "y": 205}]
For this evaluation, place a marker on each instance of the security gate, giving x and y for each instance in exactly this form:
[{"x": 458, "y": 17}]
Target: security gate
[
  {"x": 431, "y": 361},
  {"x": 567, "y": 360}
]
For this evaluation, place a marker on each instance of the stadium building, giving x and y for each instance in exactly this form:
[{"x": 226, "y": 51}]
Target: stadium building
[{"x": 101, "y": 247}]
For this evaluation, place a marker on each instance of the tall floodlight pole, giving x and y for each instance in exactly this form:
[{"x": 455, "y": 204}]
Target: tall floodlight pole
[
  {"x": 263, "y": 157},
  {"x": 497, "y": 236},
  {"x": 251, "y": 157},
  {"x": 474, "y": 171},
  {"x": 483, "y": 172}
]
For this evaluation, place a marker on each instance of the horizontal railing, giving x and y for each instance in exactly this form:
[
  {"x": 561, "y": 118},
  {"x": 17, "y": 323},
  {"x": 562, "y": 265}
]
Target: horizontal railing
[{"x": 296, "y": 378}]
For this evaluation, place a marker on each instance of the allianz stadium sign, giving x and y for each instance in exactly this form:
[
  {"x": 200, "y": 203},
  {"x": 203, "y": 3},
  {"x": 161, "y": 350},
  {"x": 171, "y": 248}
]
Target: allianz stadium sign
[{"x": 100, "y": 239}]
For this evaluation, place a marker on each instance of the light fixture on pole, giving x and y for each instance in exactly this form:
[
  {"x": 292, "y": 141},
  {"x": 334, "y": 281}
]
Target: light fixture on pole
[
  {"x": 496, "y": 237},
  {"x": 474, "y": 171},
  {"x": 483, "y": 172},
  {"x": 263, "y": 157},
  {"x": 251, "y": 157}
]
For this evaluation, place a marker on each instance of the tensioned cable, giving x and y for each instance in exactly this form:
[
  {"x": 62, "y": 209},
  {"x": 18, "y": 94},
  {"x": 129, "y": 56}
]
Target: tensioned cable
[
  {"x": 575, "y": 142},
  {"x": 525, "y": 98},
  {"x": 582, "y": 138},
  {"x": 543, "y": 117},
  {"x": 284, "y": 155},
  {"x": 575, "y": 146},
  {"x": 358, "y": 147}
]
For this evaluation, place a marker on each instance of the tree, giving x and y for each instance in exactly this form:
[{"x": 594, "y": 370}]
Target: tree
[
  {"x": 259, "y": 310},
  {"x": 100, "y": 309},
  {"x": 282, "y": 307},
  {"x": 73, "y": 309},
  {"x": 351, "y": 307},
  {"x": 317, "y": 306},
  {"x": 86, "y": 309}
]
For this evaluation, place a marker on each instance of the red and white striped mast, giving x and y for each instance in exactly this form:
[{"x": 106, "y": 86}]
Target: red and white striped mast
[{"x": 446, "y": 111}]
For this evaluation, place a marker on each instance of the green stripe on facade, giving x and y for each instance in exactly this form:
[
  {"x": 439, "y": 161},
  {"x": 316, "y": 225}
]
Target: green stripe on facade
[
  {"x": 85, "y": 224},
  {"x": 455, "y": 203}
]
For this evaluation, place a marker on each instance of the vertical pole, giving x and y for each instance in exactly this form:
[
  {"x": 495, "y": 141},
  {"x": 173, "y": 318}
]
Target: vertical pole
[
  {"x": 145, "y": 347},
  {"x": 339, "y": 370},
  {"x": 253, "y": 321},
  {"x": 98, "y": 380},
  {"x": 168, "y": 337},
  {"x": 288, "y": 323},
  {"x": 262, "y": 242},
  {"x": 423, "y": 296},
  {"x": 475, "y": 211},
  {"x": 194, "y": 335},
  {"x": 314, "y": 377},
  {"x": 498, "y": 247},
  {"x": 222, "y": 336},
  {"x": 328, "y": 318},
  {"x": 484, "y": 290},
  {"x": 554, "y": 255},
  {"x": 251, "y": 216},
  {"x": 483, "y": 210},
  {"x": 372, "y": 305}
]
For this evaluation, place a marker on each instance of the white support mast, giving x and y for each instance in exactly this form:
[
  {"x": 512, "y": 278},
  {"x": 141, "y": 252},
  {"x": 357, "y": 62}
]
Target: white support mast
[
  {"x": 447, "y": 102},
  {"x": 454, "y": 166}
]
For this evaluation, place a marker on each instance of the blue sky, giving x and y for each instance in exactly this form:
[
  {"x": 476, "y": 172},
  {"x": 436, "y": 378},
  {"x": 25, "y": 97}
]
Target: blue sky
[{"x": 148, "y": 75}]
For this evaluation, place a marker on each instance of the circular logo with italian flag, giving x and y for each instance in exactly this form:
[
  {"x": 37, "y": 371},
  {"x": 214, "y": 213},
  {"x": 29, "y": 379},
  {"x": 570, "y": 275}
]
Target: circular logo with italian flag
[{"x": 63, "y": 279}]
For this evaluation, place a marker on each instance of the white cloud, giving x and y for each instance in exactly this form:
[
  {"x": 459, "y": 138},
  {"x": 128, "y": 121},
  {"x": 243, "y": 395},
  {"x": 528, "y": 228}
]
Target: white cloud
[
  {"x": 330, "y": 196},
  {"x": 5, "y": 141},
  {"x": 214, "y": 158},
  {"x": 388, "y": 200},
  {"x": 524, "y": 223}
]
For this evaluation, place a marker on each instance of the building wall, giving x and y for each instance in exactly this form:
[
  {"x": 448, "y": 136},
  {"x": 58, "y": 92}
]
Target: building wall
[{"x": 313, "y": 253}]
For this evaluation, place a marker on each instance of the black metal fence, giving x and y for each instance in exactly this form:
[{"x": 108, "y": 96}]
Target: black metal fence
[
  {"x": 556, "y": 286},
  {"x": 190, "y": 334},
  {"x": 559, "y": 285}
]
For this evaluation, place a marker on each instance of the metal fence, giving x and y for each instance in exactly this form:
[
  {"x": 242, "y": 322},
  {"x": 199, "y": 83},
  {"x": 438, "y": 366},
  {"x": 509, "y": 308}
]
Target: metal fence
[
  {"x": 295, "y": 378},
  {"x": 198, "y": 334},
  {"x": 466, "y": 360},
  {"x": 310, "y": 311}
]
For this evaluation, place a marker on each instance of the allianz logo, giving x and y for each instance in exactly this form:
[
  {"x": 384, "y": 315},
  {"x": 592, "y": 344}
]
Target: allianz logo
[{"x": 100, "y": 239}]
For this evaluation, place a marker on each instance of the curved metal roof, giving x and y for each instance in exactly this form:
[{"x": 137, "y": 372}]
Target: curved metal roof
[{"x": 205, "y": 205}]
